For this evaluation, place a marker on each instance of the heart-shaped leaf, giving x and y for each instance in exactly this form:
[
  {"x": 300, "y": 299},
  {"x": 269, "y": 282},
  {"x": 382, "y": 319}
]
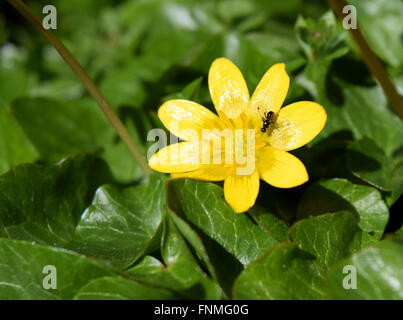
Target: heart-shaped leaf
[{"x": 120, "y": 225}]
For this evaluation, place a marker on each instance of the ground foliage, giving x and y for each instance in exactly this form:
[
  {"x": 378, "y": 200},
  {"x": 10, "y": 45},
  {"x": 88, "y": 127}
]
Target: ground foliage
[{"x": 71, "y": 195}]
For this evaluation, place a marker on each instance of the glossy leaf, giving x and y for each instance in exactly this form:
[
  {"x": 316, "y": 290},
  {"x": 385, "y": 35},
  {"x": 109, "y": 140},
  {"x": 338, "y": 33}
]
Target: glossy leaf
[
  {"x": 44, "y": 204},
  {"x": 368, "y": 162},
  {"x": 361, "y": 111},
  {"x": 328, "y": 237},
  {"x": 23, "y": 273},
  {"x": 179, "y": 239},
  {"x": 179, "y": 271},
  {"x": 116, "y": 288},
  {"x": 283, "y": 272},
  {"x": 297, "y": 270},
  {"x": 378, "y": 273},
  {"x": 340, "y": 194},
  {"x": 203, "y": 205},
  {"x": 194, "y": 240},
  {"x": 119, "y": 225},
  {"x": 275, "y": 226}
]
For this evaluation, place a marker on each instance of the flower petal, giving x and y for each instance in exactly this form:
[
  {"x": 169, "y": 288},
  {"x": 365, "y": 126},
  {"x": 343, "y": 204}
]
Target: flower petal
[
  {"x": 297, "y": 124},
  {"x": 182, "y": 116},
  {"x": 281, "y": 169},
  {"x": 206, "y": 173},
  {"x": 270, "y": 92},
  {"x": 228, "y": 88},
  {"x": 241, "y": 191},
  {"x": 178, "y": 157}
]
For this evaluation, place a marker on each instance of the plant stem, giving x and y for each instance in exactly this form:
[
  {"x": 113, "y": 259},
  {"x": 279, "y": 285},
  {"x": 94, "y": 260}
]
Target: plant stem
[
  {"x": 87, "y": 82},
  {"x": 371, "y": 60}
]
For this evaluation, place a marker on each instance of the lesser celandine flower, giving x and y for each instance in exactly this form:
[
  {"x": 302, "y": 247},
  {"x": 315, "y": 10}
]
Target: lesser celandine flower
[{"x": 207, "y": 136}]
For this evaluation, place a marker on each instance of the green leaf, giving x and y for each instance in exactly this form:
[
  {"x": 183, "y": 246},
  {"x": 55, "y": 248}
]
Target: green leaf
[
  {"x": 365, "y": 113},
  {"x": 203, "y": 205},
  {"x": 397, "y": 182},
  {"x": 44, "y": 204},
  {"x": 153, "y": 271},
  {"x": 323, "y": 39},
  {"x": 14, "y": 147},
  {"x": 272, "y": 224},
  {"x": 381, "y": 24},
  {"x": 157, "y": 55},
  {"x": 120, "y": 225},
  {"x": 179, "y": 270},
  {"x": 379, "y": 272},
  {"x": 60, "y": 88},
  {"x": 123, "y": 87},
  {"x": 309, "y": 79},
  {"x": 229, "y": 239},
  {"x": 298, "y": 270},
  {"x": 116, "y": 288},
  {"x": 189, "y": 92},
  {"x": 238, "y": 49},
  {"x": 58, "y": 129},
  {"x": 340, "y": 194},
  {"x": 368, "y": 162},
  {"x": 329, "y": 237},
  {"x": 284, "y": 272},
  {"x": 194, "y": 241},
  {"x": 14, "y": 80},
  {"x": 22, "y": 271},
  {"x": 139, "y": 122},
  {"x": 186, "y": 242},
  {"x": 362, "y": 111},
  {"x": 399, "y": 232},
  {"x": 121, "y": 162},
  {"x": 235, "y": 9}
]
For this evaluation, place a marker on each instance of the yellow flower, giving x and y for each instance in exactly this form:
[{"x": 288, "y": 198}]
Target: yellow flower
[{"x": 288, "y": 128}]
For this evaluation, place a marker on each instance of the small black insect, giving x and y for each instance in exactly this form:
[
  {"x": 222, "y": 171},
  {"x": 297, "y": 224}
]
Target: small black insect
[{"x": 267, "y": 120}]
